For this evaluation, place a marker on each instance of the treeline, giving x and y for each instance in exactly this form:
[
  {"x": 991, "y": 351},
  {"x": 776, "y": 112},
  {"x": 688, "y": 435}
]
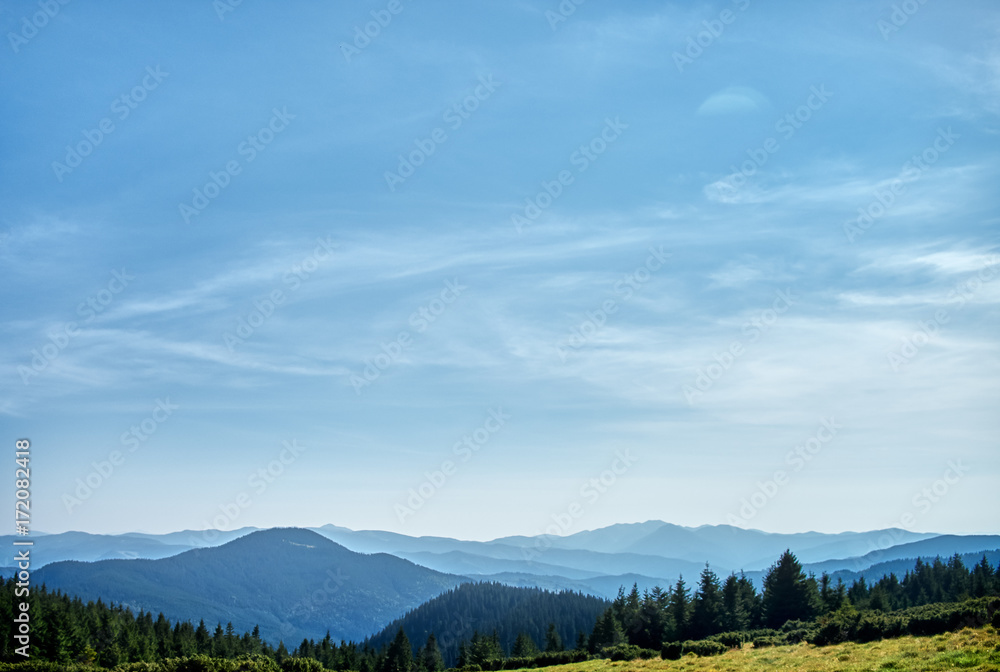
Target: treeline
[
  {"x": 716, "y": 615},
  {"x": 734, "y": 604},
  {"x": 65, "y": 629}
]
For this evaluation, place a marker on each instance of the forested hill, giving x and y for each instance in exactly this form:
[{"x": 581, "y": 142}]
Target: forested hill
[
  {"x": 291, "y": 582},
  {"x": 486, "y": 607}
]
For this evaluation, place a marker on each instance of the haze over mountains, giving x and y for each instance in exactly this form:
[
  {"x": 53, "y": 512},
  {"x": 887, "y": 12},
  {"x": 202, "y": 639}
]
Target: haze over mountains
[
  {"x": 291, "y": 582},
  {"x": 654, "y": 548},
  {"x": 301, "y": 582}
]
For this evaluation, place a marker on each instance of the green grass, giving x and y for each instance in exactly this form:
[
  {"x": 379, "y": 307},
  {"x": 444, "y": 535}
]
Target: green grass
[{"x": 967, "y": 649}]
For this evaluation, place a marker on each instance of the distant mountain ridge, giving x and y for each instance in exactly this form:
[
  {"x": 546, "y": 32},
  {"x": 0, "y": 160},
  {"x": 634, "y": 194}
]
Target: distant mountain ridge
[
  {"x": 652, "y": 550},
  {"x": 721, "y": 545},
  {"x": 298, "y": 583}
]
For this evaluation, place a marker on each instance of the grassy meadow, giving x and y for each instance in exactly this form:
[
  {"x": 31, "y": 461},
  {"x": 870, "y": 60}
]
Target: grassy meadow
[{"x": 967, "y": 649}]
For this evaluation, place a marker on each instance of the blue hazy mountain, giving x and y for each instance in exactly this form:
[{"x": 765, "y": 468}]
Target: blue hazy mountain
[{"x": 294, "y": 583}]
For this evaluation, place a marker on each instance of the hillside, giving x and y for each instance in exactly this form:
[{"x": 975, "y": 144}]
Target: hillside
[
  {"x": 485, "y": 607},
  {"x": 294, "y": 583}
]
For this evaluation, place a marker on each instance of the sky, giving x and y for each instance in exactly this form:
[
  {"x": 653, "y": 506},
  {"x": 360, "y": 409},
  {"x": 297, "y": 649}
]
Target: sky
[{"x": 492, "y": 268}]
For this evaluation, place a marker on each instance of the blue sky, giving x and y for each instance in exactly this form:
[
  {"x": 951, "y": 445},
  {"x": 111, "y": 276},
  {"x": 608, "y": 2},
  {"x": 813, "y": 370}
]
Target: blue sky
[{"x": 659, "y": 248}]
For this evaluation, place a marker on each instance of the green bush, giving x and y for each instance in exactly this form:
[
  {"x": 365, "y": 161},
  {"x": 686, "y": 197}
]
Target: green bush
[
  {"x": 255, "y": 663},
  {"x": 849, "y": 625},
  {"x": 935, "y": 619},
  {"x": 196, "y": 664},
  {"x": 45, "y": 666},
  {"x": 793, "y": 632},
  {"x": 875, "y": 625},
  {"x": 138, "y": 667},
  {"x": 560, "y": 658},
  {"x": 627, "y": 652},
  {"x": 766, "y": 640},
  {"x": 704, "y": 647},
  {"x": 672, "y": 651},
  {"x": 301, "y": 665}
]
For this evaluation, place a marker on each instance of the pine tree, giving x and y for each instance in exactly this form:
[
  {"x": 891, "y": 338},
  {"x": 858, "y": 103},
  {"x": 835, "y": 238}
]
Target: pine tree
[
  {"x": 740, "y": 604},
  {"x": 399, "y": 657},
  {"x": 981, "y": 579},
  {"x": 607, "y": 632},
  {"x": 788, "y": 594},
  {"x": 524, "y": 646},
  {"x": 431, "y": 659},
  {"x": 553, "y": 642},
  {"x": 202, "y": 640},
  {"x": 679, "y": 606},
  {"x": 218, "y": 646},
  {"x": 706, "y": 613},
  {"x": 654, "y": 620},
  {"x": 630, "y": 618}
]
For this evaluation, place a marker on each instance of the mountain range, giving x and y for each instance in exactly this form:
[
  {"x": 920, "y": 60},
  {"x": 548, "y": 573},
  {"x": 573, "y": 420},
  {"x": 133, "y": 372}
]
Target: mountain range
[{"x": 298, "y": 583}]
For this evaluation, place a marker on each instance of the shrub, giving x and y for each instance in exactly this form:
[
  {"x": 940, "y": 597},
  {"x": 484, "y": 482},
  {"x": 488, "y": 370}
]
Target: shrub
[
  {"x": 255, "y": 663},
  {"x": 628, "y": 652},
  {"x": 301, "y": 665},
  {"x": 560, "y": 658},
  {"x": 736, "y": 639},
  {"x": 793, "y": 632},
  {"x": 767, "y": 640},
  {"x": 672, "y": 651},
  {"x": 195, "y": 664},
  {"x": 704, "y": 647},
  {"x": 44, "y": 666},
  {"x": 137, "y": 667}
]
